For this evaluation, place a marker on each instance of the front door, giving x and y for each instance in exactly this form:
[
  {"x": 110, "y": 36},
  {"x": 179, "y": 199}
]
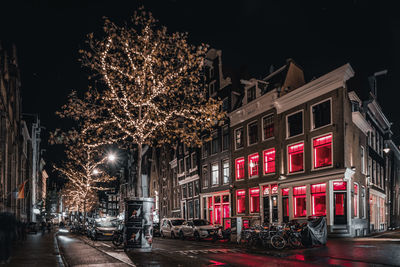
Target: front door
[
  {"x": 340, "y": 216},
  {"x": 266, "y": 209}
]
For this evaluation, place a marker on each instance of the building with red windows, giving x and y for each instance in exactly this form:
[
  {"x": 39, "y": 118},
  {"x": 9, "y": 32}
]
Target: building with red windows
[{"x": 298, "y": 150}]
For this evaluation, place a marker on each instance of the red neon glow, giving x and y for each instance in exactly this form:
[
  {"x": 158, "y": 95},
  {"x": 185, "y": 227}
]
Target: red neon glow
[
  {"x": 318, "y": 188},
  {"x": 253, "y": 165},
  {"x": 240, "y": 201},
  {"x": 227, "y": 224},
  {"x": 285, "y": 191},
  {"x": 217, "y": 212},
  {"x": 296, "y": 157},
  {"x": 285, "y": 207},
  {"x": 355, "y": 200},
  {"x": 254, "y": 191},
  {"x": 269, "y": 161},
  {"x": 299, "y": 190},
  {"x": 226, "y": 210},
  {"x": 246, "y": 224},
  {"x": 274, "y": 189},
  {"x": 318, "y": 204},
  {"x": 339, "y": 185},
  {"x": 266, "y": 190},
  {"x": 300, "y": 206},
  {"x": 210, "y": 210},
  {"x": 239, "y": 168},
  {"x": 339, "y": 204},
  {"x": 323, "y": 151}
]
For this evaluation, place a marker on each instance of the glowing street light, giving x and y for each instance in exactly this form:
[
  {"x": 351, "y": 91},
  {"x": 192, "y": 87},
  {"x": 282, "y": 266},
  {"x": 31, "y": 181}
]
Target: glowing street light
[{"x": 111, "y": 157}]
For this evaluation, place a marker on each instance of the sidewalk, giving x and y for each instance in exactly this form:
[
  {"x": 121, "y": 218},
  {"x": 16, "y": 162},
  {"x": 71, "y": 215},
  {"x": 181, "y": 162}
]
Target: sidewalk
[{"x": 36, "y": 250}]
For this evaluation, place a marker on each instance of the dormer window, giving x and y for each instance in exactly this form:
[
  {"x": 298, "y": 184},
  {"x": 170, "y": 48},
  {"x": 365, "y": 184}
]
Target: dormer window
[
  {"x": 251, "y": 94},
  {"x": 212, "y": 88}
]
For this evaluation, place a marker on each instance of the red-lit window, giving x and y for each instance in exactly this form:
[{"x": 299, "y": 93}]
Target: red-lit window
[
  {"x": 239, "y": 168},
  {"x": 240, "y": 201},
  {"x": 296, "y": 157},
  {"x": 323, "y": 151},
  {"x": 339, "y": 186},
  {"x": 269, "y": 161},
  {"x": 246, "y": 224},
  {"x": 210, "y": 209},
  {"x": 318, "y": 199},
  {"x": 266, "y": 190},
  {"x": 274, "y": 189},
  {"x": 339, "y": 204},
  {"x": 299, "y": 197},
  {"x": 355, "y": 200},
  {"x": 253, "y": 165},
  {"x": 285, "y": 191},
  {"x": 254, "y": 200}
]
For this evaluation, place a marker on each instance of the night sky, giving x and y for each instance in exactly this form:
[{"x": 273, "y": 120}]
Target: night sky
[{"x": 253, "y": 35}]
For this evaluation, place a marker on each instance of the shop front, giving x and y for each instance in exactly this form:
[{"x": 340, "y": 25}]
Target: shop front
[
  {"x": 216, "y": 208},
  {"x": 377, "y": 202}
]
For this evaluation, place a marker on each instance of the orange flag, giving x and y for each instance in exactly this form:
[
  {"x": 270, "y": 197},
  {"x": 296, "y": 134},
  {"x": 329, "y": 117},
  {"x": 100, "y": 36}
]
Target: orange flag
[{"x": 21, "y": 190}]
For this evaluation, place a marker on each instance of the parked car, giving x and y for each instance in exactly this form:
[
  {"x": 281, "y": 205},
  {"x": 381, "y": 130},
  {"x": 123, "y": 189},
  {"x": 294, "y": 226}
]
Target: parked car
[
  {"x": 103, "y": 229},
  {"x": 156, "y": 229},
  {"x": 32, "y": 228},
  {"x": 170, "y": 227},
  {"x": 198, "y": 229}
]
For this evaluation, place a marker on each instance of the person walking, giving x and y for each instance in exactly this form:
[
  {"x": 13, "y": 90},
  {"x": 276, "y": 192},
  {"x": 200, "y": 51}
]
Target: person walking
[{"x": 7, "y": 234}]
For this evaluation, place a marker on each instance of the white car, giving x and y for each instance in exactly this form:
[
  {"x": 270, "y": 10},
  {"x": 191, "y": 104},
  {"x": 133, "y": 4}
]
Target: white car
[
  {"x": 170, "y": 227},
  {"x": 198, "y": 229}
]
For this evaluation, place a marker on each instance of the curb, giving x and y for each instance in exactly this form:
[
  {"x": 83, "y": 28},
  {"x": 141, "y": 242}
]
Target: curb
[{"x": 63, "y": 262}]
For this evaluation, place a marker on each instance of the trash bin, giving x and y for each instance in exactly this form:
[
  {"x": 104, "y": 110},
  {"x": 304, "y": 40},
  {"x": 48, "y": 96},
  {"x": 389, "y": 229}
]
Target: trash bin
[{"x": 139, "y": 224}]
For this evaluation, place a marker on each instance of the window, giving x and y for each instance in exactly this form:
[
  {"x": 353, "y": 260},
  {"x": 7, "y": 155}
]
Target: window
[
  {"x": 321, "y": 114},
  {"x": 299, "y": 196},
  {"x": 318, "y": 199},
  {"x": 251, "y": 94},
  {"x": 225, "y": 170},
  {"x": 205, "y": 175},
  {"x": 190, "y": 209},
  {"x": 214, "y": 143},
  {"x": 254, "y": 200},
  {"x": 197, "y": 208},
  {"x": 362, "y": 203},
  {"x": 269, "y": 161},
  {"x": 181, "y": 166},
  {"x": 322, "y": 151},
  {"x": 339, "y": 186},
  {"x": 239, "y": 168},
  {"x": 295, "y": 124},
  {"x": 194, "y": 161},
  {"x": 362, "y": 152},
  {"x": 253, "y": 133},
  {"x": 184, "y": 192},
  {"x": 211, "y": 72},
  {"x": 187, "y": 164},
  {"x": 204, "y": 148},
  {"x": 225, "y": 104},
  {"x": 239, "y": 138},
  {"x": 296, "y": 157},
  {"x": 253, "y": 165},
  {"x": 225, "y": 138},
  {"x": 190, "y": 189},
  {"x": 268, "y": 126},
  {"x": 196, "y": 187},
  {"x": 214, "y": 174},
  {"x": 240, "y": 201},
  {"x": 355, "y": 200}
]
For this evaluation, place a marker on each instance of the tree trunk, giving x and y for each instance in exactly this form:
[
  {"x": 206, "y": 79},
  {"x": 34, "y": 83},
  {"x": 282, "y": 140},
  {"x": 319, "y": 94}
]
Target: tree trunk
[
  {"x": 139, "y": 191},
  {"x": 84, "y": 211}
]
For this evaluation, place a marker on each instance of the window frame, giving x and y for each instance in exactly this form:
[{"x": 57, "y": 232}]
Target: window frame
[
  {"x": 225, "y": 129},
  {"x": 234, "y": 137},
  {"x": 248, "y": 133},
  {"x": 204, "y": 148},
  {"x": 262, "y": 126},
  {"x": 356, "y": 200},
  {"x": 193, "y": 164},
  {"x": 287, "y": 126},
  {"x": 288, "y": 158},
  {"x": 249, "y": 167},
  {"x": 216, "y": 163},
  {"x": 237, "y": 200},
  {"x": 185, "y": 162},
  {"x": 362, "y": 156},
  {"x": 295, "y": 196},
  {"x": 312, "y": 152},
  {"x": 244, "y": 169},
  {"x": 214, "y": 134},
  {"x": 263, "y": 161},
  {"x": 250, "y": 200},
  {"x": 312, "y": 124},
  {"x": 205, "y": 178},
  {"x": 223, "y": 169}
]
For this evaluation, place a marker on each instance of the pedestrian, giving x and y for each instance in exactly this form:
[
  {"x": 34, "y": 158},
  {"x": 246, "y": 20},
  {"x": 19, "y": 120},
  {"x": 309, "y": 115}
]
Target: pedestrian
[{"x": 7, "y": 234}]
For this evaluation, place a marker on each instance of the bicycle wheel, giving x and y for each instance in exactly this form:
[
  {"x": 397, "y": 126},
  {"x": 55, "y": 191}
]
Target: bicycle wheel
[{"x": 278, "y": 242}]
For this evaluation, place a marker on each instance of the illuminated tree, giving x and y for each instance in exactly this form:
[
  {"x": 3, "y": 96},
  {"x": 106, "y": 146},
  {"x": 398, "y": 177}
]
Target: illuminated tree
[
  {"x": 151, "y": 91},
  {"x": 84, "y": 168}
]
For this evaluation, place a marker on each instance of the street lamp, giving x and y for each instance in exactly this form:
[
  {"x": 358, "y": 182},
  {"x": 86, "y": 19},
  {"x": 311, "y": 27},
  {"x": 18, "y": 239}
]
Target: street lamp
[
  {"x": 111, "y": 157},
  {"x": 386, "y": 150}
]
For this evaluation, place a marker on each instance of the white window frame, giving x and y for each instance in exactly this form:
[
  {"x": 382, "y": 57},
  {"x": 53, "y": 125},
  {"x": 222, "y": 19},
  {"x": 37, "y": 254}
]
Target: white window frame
[
  {"x": 312, "y": 118},
  {"x": 312, "y": 152},
  {"x": 234, "y": 137},
  {"x": 223, "y": 174},
  {"x": 212, "y": 180},
  {"x": 288, "y": 160},
  {"x": 357, "y": 214},
  {"x": 262, "y": 126},
  {"x": 193, "y": 166},
  {"x": 263, "y": 162},
  {"x": 179, "y": 166},
  {"x": 184, "y": 163},
  {"x": 248, "y": 134},
  {"x": 287, "y": 126},
  {"x": 208, "y": 176},
  {"x": 362, "y": 156},
  {"x": 248, "y": 165}
]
